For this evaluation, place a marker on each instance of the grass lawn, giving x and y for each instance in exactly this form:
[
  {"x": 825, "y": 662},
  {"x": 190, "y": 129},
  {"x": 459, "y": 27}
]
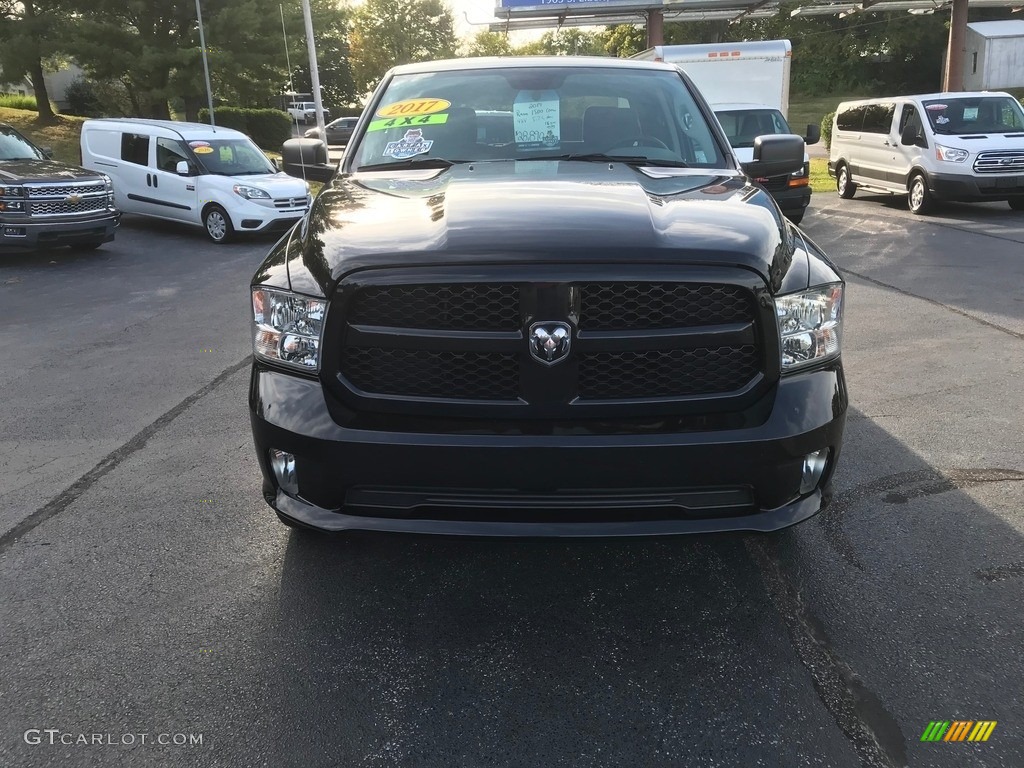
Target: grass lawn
[
  {"x": 820, "y": 180},
  {"x": 62, "y": 137}
]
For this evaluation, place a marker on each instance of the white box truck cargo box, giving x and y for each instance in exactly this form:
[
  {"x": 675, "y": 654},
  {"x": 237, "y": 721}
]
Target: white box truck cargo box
[{"x": 732, "y": 73}]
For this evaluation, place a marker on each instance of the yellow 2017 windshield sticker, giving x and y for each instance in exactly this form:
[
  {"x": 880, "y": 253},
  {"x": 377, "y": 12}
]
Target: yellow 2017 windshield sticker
[
  {"x": 407, "y": 122},
  {"x": 411, "y": 107}
]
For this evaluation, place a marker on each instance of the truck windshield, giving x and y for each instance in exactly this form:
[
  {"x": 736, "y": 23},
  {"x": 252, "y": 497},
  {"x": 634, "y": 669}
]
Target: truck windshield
[
  {"x": 231, "y": 157},
  {"x": 13, "y": 146},
  {"x": 742, "y": 126},
  {"x": 957, "y": 116},
  {"x": 536, "y": 113}
]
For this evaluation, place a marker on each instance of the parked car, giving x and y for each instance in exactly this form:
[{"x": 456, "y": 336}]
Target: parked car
[
  {"x": 742, "y": 124},
  {"x": 609, "y": 332},
  {"x": 304, "y": 111},
  {"x": 338, "y": 131},
  {"x": 214, "y": 178},
  {"x": 965, "y": 147},
  {"x": 44, "y": 203}
]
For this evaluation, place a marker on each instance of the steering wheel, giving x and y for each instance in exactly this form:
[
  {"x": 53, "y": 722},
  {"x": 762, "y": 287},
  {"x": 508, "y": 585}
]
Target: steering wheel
[{"x": 645, "y": 141}]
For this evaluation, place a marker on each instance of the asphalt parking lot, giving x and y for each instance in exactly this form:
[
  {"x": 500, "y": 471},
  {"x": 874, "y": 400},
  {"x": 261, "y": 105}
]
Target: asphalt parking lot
[{"x": 148, "y": 590}]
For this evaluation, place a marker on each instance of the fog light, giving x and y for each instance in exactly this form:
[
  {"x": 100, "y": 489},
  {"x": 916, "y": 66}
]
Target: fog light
[
  {"x": 814, "y": 467},
  {"x": 283, "y": 465}
]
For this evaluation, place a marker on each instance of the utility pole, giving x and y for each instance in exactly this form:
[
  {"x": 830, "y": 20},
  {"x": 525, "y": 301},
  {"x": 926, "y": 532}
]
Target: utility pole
[
  {"x": 314, "y": 73},
  {"x": 206, "y": 64},
  {"x": 954, "y": 79}
]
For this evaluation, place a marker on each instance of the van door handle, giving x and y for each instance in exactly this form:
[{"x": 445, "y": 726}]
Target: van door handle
[
  {"x": 149, "y": 180},
  {"x": 156, "y": 180}
]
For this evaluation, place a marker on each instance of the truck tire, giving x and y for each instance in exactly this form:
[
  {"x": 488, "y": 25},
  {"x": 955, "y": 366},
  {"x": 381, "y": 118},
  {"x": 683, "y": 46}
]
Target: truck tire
[
  {"x": 844, "y": 186},
  {"x": 919, "y": 199}
]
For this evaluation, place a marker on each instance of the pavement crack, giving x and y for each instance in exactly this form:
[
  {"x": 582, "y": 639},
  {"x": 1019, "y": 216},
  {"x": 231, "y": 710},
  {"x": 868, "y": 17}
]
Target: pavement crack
[
  {"x": 872, "y": 731},
  {"x": 937, "y": 303},
  {"x": 1001, "y": 572},
  {"x": 113, "y": 459}
]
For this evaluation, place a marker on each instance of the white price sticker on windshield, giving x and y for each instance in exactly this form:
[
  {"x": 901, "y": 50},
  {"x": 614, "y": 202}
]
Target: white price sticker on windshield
[{"x": 535, "y": 119}]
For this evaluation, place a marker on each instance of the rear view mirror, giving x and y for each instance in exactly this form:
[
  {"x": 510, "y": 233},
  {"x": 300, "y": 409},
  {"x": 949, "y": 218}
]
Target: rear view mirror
[
  {"x": 911, "y": 136},
  {"x": 775, "y": 155},
  {"x": 306, "y": 159},
  {"x": 813, "y": 133}
]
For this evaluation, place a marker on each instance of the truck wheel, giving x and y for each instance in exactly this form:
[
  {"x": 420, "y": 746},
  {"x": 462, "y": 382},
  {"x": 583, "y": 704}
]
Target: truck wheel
[
  {"x": 919, "y": 199},
  {"x": 218, "y": 225},
  {"x": 1017, "y": 203},
  {"x": 844, "y": 186}
]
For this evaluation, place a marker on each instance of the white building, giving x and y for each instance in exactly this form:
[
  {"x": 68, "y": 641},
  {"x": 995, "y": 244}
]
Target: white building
[{"x": 994, "y": 55}]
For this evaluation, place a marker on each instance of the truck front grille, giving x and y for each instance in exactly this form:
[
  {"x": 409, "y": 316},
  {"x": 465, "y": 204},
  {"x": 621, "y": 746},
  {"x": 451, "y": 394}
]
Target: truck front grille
[
  {"x": 45, "y": 200},
  {"x": 1002, "y": 161},
  {"x": 64, "y": 207},
  {"x": 632, "y": 341}
]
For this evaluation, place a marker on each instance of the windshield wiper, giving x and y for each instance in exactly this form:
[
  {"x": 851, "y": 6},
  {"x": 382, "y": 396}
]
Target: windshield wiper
[
  {"x": 603, "y": 157},
  {"x": 412, "y": 162}
]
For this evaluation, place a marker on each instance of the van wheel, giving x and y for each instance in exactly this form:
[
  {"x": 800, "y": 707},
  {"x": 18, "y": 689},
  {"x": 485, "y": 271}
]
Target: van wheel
[
  {"x": 844, "y": 186},
  {"x": 1017, "y": 203},
  {"x": 919, "y": 199},
  {"x": 218, "y": 224}
]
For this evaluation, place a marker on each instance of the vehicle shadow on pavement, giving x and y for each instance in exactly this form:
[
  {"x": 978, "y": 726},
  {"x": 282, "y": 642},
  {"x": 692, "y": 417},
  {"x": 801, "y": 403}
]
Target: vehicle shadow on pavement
[{"x": 841, "y": 637}]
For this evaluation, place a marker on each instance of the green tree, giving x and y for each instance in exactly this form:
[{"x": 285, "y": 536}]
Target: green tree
[
  {"x": 386, "y": 33},
  {"x": 489, "y": 44},
  {"x": 331, "y": 29},
  {"x": 625, "y": 40},
  {"x": 30, "y": 31},
  {"x": 566, "y": 42}
]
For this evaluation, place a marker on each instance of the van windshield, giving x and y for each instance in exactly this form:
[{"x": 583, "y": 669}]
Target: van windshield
[
  {"x": 537, "y": 113},
  {"x": 957, "y": 116},
  {"x": 231, "y": 157},
  {"x": 13, "y": 146},
  {"x": 742, "y": 126}
]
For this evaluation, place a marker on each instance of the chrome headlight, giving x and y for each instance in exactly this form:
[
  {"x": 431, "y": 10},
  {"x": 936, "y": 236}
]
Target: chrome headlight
[
  {"x": 287, "y": 328},
  {"x": 250, "y": 193},
  {"x": 810, "y": 326},
  {"x": 950, "y": 154}
]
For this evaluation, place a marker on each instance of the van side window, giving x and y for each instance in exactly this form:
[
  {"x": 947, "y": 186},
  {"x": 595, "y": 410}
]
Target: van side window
[
  {"x": 909, "y": 116},
  {"x": 135, "y": 148},
  {"x": 850, "y": 119},
  {"x": 168, "y": 154},
  {"x": 878, "y": 118}
]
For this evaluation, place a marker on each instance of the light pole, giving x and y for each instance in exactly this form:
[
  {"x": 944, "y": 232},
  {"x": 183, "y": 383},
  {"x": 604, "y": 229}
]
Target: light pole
[{"x": 206, "y": 65}]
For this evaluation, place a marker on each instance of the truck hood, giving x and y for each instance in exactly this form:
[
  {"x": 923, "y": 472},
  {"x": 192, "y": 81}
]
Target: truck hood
[
  {"x": 43, "y": 170},
  {"x": 510, "y": 212}
]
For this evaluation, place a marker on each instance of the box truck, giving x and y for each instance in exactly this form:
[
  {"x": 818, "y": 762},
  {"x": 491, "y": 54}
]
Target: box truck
[{"x": 747, "y": 85}]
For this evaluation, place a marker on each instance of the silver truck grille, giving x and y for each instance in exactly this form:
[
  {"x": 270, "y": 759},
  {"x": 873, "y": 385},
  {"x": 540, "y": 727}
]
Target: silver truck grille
[{"x": 1002, "y": 161}]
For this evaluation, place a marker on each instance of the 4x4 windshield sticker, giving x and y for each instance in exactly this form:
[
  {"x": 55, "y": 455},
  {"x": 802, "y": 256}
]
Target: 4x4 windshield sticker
[
  {"x": 408, "y": 122},
  {"x": 535, "y": 119},
  {"x": 410, "y": 145},
  {"x": 412, "y": 107}
]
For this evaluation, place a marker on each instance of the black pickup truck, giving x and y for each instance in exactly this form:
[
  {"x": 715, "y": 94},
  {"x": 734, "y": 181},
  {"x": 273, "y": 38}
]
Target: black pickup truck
[
  {"x": 44, "y": 203},
  {"x": 587, "y": 322}
]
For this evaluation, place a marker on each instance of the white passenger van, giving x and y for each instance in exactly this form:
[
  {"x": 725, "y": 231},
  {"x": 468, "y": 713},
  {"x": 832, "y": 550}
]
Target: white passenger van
[
  {"x": 966, "y": 147},
  {"x": 215, "y": 178}
]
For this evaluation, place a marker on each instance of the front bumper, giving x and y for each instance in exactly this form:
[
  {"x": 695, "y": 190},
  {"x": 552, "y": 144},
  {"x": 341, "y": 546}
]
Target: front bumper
[
  {"x": 258, "y": 219},
  {"x": 523, "y": 484},
  {"x": 963, "y": 188},
  {"x": 792, "y": 199},
  {"x": 32, "y": 235}
]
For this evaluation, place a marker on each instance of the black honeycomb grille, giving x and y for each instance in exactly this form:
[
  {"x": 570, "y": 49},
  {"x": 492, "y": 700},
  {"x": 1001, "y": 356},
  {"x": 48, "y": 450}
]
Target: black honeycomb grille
[
  {"x": 455, "y": 307},
  {"x": 432, "y": 373},
  {"x": 666, "y": 373},
  {"x": 631, "y": 306}
]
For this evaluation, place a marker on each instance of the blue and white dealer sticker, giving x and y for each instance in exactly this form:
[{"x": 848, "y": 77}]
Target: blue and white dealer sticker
[{"x": 410, "y": 145}]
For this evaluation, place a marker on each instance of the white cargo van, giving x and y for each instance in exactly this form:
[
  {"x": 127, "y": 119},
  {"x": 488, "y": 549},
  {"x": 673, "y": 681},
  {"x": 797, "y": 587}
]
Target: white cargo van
[
  {"x": 964, "y": 147},
  {"x": 215, "y": 178}
]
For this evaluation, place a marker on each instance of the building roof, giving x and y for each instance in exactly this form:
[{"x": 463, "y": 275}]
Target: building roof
[{"x": 1010, "y": 28}]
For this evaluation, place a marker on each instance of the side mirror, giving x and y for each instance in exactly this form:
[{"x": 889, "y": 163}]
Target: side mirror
[
  {"x": 182, "y": 168},
  {"x": 911, "y": 136},
  {"x": 813, "y": 133},
  {"x": 775, "y": 155},
  {"x": 307, "y": 159},
  {"x": 276, "y": 163},
  {"x": 47, "y": 152}
]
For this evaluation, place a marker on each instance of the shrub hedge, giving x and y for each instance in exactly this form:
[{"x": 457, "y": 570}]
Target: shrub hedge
[
  {"x": 269, "y": 128},
  {"x": 826, "y": 130}
]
